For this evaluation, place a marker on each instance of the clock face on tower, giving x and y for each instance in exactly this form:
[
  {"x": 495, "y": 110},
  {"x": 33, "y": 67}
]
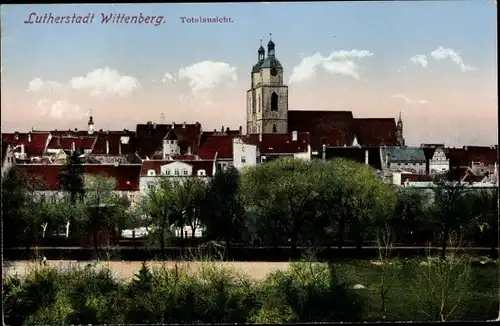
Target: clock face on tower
[{"x": 274, "y": 72}]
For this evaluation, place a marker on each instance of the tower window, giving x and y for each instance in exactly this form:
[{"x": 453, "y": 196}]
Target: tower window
[
  {"x": 274, "y": 102},
  {"x": 274, "y": 129}
]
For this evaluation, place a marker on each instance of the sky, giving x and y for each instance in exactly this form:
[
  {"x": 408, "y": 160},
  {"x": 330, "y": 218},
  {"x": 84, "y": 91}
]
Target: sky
[{"x": 433, "y": 61}]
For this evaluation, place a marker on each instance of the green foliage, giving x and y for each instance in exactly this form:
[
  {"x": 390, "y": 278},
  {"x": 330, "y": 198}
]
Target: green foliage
[{"x": 72, "y": 177}]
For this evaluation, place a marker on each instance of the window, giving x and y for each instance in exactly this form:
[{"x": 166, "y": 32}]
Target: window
[
  {"x": 167, "y": 172},
  {"x": 176, "y": 172},
  {"x": 242, "y": 148},
  {"x": 274, "y": 101},
  {"x": 201, "y": 173},
  {"x": 185, "y": 172},
  {"x": 151, "y": 173},
  {"x": 274, "y": 129},
  {"x": 243, "y": 160},
  {"x": 150, "y": 185}
]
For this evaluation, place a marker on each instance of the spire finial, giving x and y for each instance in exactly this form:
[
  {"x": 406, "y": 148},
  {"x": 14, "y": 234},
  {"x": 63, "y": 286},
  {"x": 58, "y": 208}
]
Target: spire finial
[
  {"x": 90, "y": 112},
  {"x": 270, "y": 36},
  {"x": 400, "y": 116},
  {"x": 260, "y": 42}
]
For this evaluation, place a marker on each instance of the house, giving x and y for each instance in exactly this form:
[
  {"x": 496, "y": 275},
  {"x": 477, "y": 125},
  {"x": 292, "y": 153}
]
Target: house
[
  {"x": 438, "y": 162},
  {"x": 404, "y": 159},
  {"x": 152, "y": 170},
  {"x": 47, "y": 178}
]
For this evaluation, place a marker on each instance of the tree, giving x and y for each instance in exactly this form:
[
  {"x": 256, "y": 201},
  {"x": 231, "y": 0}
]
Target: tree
[
  {"x": 72, "y": 178},
  {"x": 184, "y": 202},
  {"x": 353, "y": 198},
  {"x": 223, "y": 213},
  {"x": 104, "y": 207},
  {"x": 155, "y": 205},
  {"x": 448, "y": 209},
  {"x": 484, "y": 213},
  {"x": 410, "y": 214},
  {"x": 282, "y": 189}
]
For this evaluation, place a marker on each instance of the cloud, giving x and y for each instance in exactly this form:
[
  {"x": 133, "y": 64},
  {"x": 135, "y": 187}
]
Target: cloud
[
  {"x": 410, "y": 101},
  {"x": 105, "y": 81},
  {"x": 37, "y": 84},
  {"x": 208, "y": 74},
  {"x": 419, "y": 60},
  {"x": 442, "y": 53},
  {"x": 61, "y": 109},
  {"x": 337, "y": 63},
  {"x": 167, "y": 77}
]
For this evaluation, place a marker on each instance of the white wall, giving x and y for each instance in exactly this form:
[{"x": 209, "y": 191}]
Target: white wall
[
  {"x": 417, "y": 168},
  {"x": 438, "y": 163},
  {"x": 8, "y": 161},
  {"x": 244, "y": 155}
]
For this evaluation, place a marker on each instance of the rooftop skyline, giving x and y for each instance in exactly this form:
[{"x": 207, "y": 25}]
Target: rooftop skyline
[{"x": 433, "y": 61}]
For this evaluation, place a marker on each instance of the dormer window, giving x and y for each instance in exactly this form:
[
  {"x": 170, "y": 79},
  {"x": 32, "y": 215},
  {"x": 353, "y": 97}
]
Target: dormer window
[
  {"x": 151, "y": 173},
  {"x": 201, "y": 173}
]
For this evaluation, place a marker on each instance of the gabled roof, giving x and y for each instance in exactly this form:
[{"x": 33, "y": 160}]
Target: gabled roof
[
  {"x": 404, "y": 154},
  {"x": 66, "y": 143},
  {"x": 376, "y": 131},
  {"x": 34, "y": 142},
  {"x": 279, "y": 143},
  {"x": 197, "y": 165},
  {"x": 118, "y": 142},
  {"x": 332, "y": 128},
  {"x": 222, "y": 145},
  {"x": 126, "y": 176},
  {"x": 356, "y": 154}
]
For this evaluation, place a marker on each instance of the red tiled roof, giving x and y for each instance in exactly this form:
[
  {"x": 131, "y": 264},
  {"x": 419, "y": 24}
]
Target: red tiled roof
[
  {"x": 376, "y": 132},
  {"x": 66, "y": 143},
  {"x": 416, "y": 177},
  {"x": 333, "y": 128},
  {"x": 482, "y": 154},
  {"x": 280, "y": 143},
  {"x": 150, "y": 137},
  {"x": 226, "y": 132},
  {"x": 127, "y": 176},
  {"x": 222, "y": 145},
  {"x": 197, "y": 165},
  {"x": 34, "y": 142},
  {"x": 112, "y": 140},
  {"x": 457, "y": 157}
]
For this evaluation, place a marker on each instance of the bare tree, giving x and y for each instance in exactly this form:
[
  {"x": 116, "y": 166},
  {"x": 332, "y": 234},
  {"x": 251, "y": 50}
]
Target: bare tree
[
  {"x": 441, "y": 284},
  {"x": 385, "y": 240}
]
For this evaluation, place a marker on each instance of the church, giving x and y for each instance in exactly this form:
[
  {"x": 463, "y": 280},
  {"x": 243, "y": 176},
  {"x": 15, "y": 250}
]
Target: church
[{"x": 268, "y": 112}]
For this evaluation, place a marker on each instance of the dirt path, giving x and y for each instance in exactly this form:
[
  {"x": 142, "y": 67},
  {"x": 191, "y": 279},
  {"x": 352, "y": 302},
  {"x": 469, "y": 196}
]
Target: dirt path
[{"x": 126, "y": 270}]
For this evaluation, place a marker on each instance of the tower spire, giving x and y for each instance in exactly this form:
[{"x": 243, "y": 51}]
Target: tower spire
[
  {"x": 261, "y": 52},
  {"x": 270, "y": 46}
]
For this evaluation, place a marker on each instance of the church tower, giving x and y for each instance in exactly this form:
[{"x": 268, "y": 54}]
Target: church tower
[
  {"x": 267, "y": 99},
  {"x": 91, "y": 125},
  {"x": 399, "y": 131}
]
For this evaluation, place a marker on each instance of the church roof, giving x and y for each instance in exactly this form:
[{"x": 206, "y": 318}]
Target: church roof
[
  {"x": 338, "y": 128},
  {"x": 271, "y": 62}
]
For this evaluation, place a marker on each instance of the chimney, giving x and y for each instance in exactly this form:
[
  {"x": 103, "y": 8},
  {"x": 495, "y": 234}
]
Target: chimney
[
  {"x": 29, "y": 137},
  {"x": 154, "y": 125},
  {"x": 227, "y": 130},
  {"x": 260, "y": 137},
  {"x": 323, "y": 152},
  {"x": 294, "y": 135},
  {"x": 241, "y": 130},
  {"x": 173, "y": 125},
  {"x": 184, "y": 125},
  {"x": 76, "y": 129},
  {"x": 107, "y": 146},
  {"x": 367, "y": 161},
  {"x": 222, "y": 130},
  {"x": 73, "y": 147},
  {"x": 22, "y": 148},
  {"x": 215, "y": 132},
  {"x": 120, "y": 147},
  {"x": 189, "y": 150},
  {"x": 16, "y": 135}
]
